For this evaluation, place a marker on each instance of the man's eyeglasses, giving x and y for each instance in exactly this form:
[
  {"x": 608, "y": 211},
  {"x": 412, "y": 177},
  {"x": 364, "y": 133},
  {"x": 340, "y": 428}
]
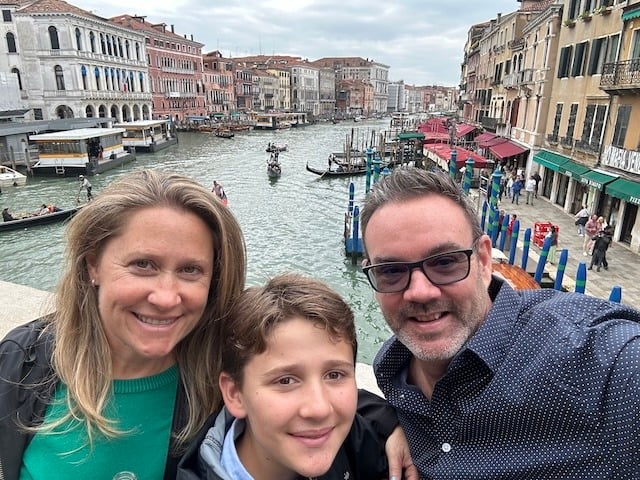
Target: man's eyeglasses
[{"x": 440, "y": 269}]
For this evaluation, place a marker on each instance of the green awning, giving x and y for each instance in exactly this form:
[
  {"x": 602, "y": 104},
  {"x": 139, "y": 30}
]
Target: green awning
[
  {"x": 625, "y": 190},
  {"x": 573, "y": 170},
  {"x": 631, "y": 14},
  {"x": 596, "y": 179},
  {"x": 550, "y": 160},
  {"x": 411, "y": 135}
]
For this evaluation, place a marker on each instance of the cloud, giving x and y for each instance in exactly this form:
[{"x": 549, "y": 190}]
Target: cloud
[{"x": 422, "y": 41}]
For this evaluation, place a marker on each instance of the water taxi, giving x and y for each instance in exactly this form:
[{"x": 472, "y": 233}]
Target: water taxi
[
  {"x": 84, "y": 151},
  {"x": 11, "y": 178},
  {"x": 147, "y": 135}
]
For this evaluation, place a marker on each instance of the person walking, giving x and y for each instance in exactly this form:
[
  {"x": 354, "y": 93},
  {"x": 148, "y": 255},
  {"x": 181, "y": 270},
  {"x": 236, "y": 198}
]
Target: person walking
[
  {"x": 515, "y": 190},
  {"x": 581, "y": 219},
  {"x": 530, "y": 189},
  {"x": 491, "y": 382},
  {"x": 590, "y": 229},
  {"x": 536, "y": 176}
]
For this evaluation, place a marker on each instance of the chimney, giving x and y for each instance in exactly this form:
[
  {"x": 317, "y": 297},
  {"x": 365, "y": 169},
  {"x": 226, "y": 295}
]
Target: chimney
[
  {"x": 498, "y": 16},
  {"x": 172, "y": 29}
]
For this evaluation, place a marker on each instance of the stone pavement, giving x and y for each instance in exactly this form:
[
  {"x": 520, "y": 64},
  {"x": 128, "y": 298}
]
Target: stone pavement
[{"x": 623, "y": 263}]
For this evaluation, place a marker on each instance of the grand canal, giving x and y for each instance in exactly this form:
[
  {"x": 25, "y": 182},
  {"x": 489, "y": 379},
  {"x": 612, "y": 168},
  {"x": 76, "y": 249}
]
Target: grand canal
[{"x": 293, "y": 223}]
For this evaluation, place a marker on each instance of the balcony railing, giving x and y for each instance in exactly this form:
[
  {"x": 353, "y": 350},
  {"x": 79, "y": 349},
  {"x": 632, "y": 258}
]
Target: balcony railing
[
  {"x": 620, "y": 76},
  {"x": 567, "y": 142},
  {"x": 552, "y": 138},
  {"x": 593, "y": 146}
]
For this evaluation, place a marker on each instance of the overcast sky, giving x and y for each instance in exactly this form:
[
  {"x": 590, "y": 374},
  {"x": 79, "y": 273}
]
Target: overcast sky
[{"x": 421, "y": 41}]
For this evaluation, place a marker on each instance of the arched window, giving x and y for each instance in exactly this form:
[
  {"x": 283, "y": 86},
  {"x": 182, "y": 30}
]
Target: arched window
[
  {"x": 92, "y": 41},
  {"x": 11, "y": 43},
  {"x": 96, "y": 72},
  {"x": 137, "y": 51},
  {"x": 83, "y": 72},
  {"x": 17, "y": 74},
  {"x": 109, "y": 47},
  {"x": 120, "y": 48},
  {"x": 59, "y": 77},
  {"x": 53, "y": 37},
  {"x": 103, "y": 46},
  {"x": 127, "y": 49},
  {"x": 141, "y": 78},
  {"x": 78, "y": 40}
]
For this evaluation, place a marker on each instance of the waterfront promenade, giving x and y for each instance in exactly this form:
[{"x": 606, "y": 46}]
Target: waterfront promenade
[{"x": 623, "y": 263}]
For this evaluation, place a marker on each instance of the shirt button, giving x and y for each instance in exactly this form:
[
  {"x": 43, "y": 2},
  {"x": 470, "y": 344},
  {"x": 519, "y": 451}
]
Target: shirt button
[{"x": 446, "y": 448}]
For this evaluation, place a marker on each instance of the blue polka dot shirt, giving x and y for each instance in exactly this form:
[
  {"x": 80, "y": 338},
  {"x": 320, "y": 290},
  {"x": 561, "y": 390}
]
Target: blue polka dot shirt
[{"x": 548, "y": 388}]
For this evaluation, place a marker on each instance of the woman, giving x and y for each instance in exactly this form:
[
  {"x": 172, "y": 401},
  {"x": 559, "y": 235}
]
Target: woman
[{"x": 129, "y": 361}]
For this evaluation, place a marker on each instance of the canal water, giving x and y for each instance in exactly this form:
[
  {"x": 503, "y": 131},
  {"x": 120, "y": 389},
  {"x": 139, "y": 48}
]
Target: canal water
[{"x": 295, "y": 222}]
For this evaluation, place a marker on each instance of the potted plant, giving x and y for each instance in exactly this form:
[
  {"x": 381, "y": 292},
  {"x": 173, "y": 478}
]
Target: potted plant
[
  {"x": 585, "y": 16},
  {"x": 603, "y": 10},
  {"x": 569, "y": 22}
]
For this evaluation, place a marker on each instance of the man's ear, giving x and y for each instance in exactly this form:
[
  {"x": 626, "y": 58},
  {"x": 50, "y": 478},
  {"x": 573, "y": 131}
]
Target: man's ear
[
  {"x": 365, "y": 262},
  {"x": 232, "y": 395}
]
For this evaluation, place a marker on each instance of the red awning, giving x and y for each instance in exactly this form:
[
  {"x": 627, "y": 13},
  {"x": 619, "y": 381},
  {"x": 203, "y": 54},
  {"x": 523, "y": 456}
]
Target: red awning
[
  {"x": 463, "y": 129},
  {"x": 507, "y": 149},
  {"x": 483, "y": 137},
  {"x": 443, "y": 152}
]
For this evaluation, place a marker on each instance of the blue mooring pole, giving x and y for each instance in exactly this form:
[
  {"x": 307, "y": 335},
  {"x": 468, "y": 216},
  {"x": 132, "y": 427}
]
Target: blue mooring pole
[
  {"x": 581, "y": 277},
  {"x": 562, "y": 266},
  {"x": 468, "y": 175},
  {"x": 525, "y": 248},
  {"x": 514, "y": 242},
  {"x": 542, "y": 261},
  {"x": 452, "y": 163},
  {"x": 352, "y": 190},
  {"x": 616, "y": 294}
]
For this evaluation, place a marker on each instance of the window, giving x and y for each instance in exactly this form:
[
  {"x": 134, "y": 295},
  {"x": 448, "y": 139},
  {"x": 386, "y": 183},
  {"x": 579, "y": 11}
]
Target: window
[
  {"x": 11, "y": 43},
  {"x": 83, "y": 72},
  {"x": 612, "y": 48},
  {"x": 53, "y": 37},
  {"x": 592, "y": 128},
  {"x": 622, "y": 123},
  {"x": 16, "y": 72},
  {"x": 6, "y": 15},
  {"x": 78, "y": 40},
  {"x": 556, "y": 121},
  {"x": 92, "y": 42},
  {"x": 103, "y": 46},
  {"x": 579, "y": 59},
  {"x": 59, "y": 77},
  {"x": 37, "y": 114},
  {"x": 96, "y": 73},
  {"x": 596, "y": 59},
  {"x": 572, "y": 122},
  {"x": 574, "y": 7},
  {"x": 565, "y": 61}
]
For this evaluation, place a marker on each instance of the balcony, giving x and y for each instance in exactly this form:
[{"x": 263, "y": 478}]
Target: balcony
[
  {"x": 586, "y": 146},
  {"x": 621, "y": 78},
  {"x": 516, "y": 45},
  {"x": 552, "y": 138},
  {"x": 567, "y": 142},
  {"x": 490, "y": 123}
]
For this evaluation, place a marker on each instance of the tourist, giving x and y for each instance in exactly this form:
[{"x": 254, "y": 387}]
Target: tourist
[
  {"x": 601, "y": 243},
  {"x": 515, "y": 190},
  {"x": 490, "y": 382},
  {"x": 582, "y": 217},
  {"x": 552, "y": 234},
  {"x": 6, "y": 216},
  {"x": 590, "y": 229},
  {"x": 289, "y": 388},
  {"x": 536, "y": 176},
  {"x": 530, "y": 189},
  {"x": 120, "y": 378}
]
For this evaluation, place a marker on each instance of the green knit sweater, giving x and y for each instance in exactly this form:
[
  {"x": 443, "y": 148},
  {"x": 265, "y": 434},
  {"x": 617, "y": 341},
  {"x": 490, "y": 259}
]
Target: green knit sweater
[{"x": 143, "y": 409}]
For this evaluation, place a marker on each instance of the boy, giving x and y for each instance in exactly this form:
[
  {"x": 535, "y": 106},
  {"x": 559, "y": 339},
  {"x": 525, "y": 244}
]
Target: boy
[{"x": 289, "y": 387}]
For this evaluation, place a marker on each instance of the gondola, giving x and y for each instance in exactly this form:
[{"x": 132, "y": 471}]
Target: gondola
[
  {"x": 36, "y": 220},
  {"x": 341, "y": 172},
  {"x": 224, "y": 134}
]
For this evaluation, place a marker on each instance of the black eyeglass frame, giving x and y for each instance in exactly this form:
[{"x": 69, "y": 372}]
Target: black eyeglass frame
[{"x": 420, "y": 264}]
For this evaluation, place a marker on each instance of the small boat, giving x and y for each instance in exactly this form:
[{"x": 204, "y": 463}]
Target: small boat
[
  {"x": 35, "y": 220},
  {"x": 224, "y": 134},
  {"x": 274, "y": 170},
  {"x": 340, "y": 171},
  {"x": 147, "y": 135},
  {"x": 11, "y": 178},
  {"x": 272, "y": 147}
]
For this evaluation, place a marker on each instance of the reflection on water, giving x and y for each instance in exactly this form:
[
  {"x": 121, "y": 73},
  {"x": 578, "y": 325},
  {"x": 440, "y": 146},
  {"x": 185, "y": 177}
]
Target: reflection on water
[{"x": 294, "y": 222}]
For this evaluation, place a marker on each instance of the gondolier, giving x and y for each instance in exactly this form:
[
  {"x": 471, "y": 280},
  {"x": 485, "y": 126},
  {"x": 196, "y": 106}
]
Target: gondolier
[{"x": 87, "y": 186}]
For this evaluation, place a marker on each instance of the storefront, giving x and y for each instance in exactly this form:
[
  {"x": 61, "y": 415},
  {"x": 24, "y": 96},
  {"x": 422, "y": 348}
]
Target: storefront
[{"x": 626, "y": 197}]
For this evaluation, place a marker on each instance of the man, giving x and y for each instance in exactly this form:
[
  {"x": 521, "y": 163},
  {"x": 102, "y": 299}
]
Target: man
[
  {"x": 536, "y": 176},
  {"x": 84, "y": 183},
  {"x": 530, "y": 189},
  {"x": 490, "y": 382}
]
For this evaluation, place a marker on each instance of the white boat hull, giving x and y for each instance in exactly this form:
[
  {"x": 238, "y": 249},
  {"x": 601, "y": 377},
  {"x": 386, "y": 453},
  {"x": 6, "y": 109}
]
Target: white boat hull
[{"x": 10, "y": 178}]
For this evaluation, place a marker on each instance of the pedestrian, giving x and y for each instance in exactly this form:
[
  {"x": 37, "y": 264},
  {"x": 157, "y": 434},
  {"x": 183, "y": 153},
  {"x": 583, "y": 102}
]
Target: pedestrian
[
  {"x": 553, "y": 244},
  {"x": 515, "y": 190},
  {"x": 84, "y": 183},
  {"x": 581, "y": 219},
  {"x": 601, "y": 242},
  {"x": 590, "y": 229},
  {"x": 491, "y": 382},
  {"x": 119, "y": 378},
  {"x": 289, "y": 388},
  {"x": 510, "y": 185},
  {"x": 530, "y": 189},
  {"x": 536, "y": 176}
]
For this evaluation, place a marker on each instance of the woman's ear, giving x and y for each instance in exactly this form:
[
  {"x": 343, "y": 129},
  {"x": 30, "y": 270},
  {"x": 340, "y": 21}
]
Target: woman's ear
[{"x": 232, "y": 395}]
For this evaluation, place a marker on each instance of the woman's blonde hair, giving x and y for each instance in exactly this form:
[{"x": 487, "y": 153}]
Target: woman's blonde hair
[{"x": 81, "y": 353}]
